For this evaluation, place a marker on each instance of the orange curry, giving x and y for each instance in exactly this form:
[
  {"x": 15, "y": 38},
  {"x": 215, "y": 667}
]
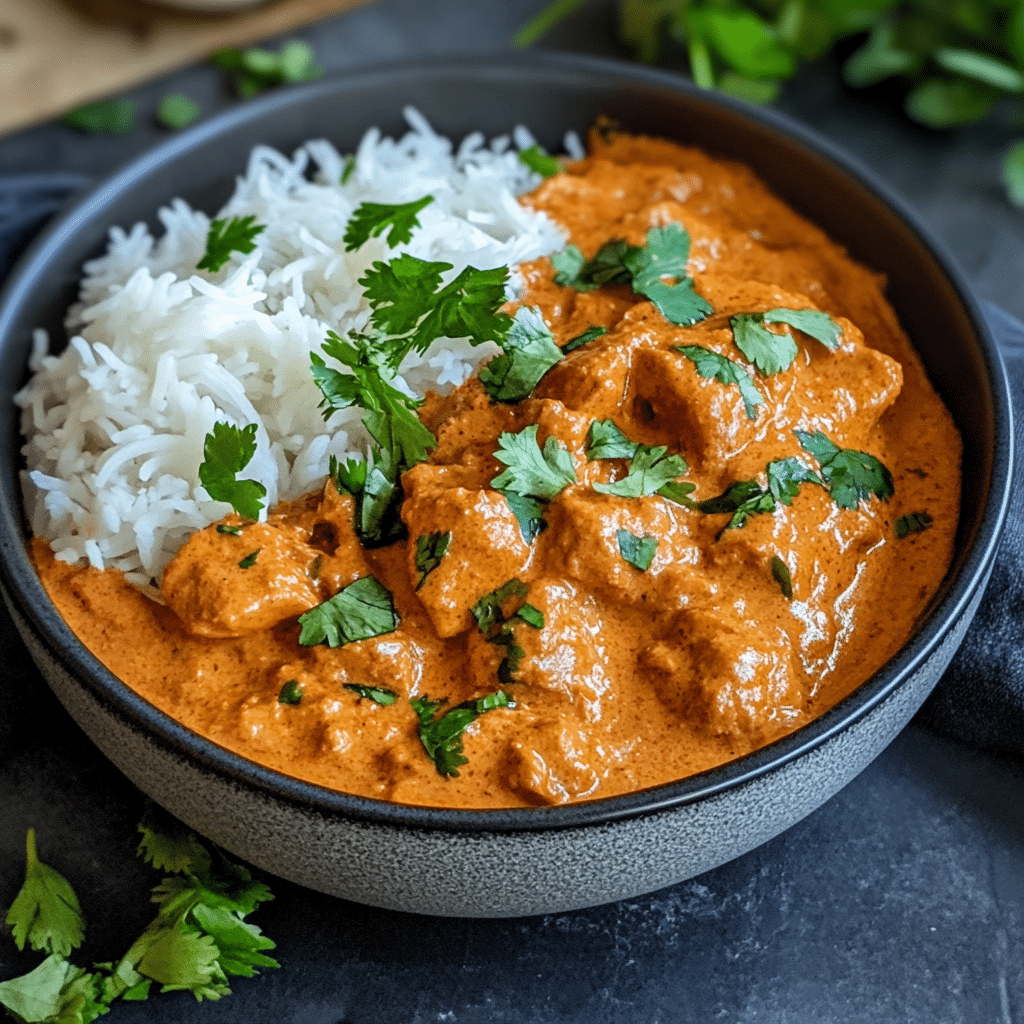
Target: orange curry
[{"x": 616, "y": 675}]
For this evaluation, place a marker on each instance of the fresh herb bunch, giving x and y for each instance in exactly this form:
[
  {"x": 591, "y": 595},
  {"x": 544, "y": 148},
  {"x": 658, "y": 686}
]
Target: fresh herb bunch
[{"x": 956, "y": 60}]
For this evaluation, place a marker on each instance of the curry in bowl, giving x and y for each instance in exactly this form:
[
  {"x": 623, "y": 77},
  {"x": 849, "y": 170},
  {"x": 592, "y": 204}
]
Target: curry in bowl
[{"x": 700, "y": 492}]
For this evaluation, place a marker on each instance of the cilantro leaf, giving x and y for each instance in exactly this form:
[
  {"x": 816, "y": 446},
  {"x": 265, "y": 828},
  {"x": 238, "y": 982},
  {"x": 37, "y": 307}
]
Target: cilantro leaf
[
  {"x": 250, "y": 559},
  {"x": 650, "y": 469},
  {"x": 617, "y": 262},
  {"x": 291, "y": 693},
  {"x": 442, "y": 737},
  {"x": 177, "y": 111},
  {"x": 226, "y": 452},
  {"x": 430, "y": 549},
  {"x": 56, "y": 991},
  {"x": 711, "y": 365},
  {"x": 46, "y": 913},
  {"x": 780, "y": 573},
  {"x": 226, "y": 237},
  {"x": 785, "y": 477},
  {"x": 851, "y": 476},
  {"x": 359, "y": 611},
  {"x": 638, "y": 551},
  {"x": 532, "y": 471},
  {"x": 375, "y": 693},
  {"x": 912, "y": 522},
  {"x": 528, "y": 512},
  {"x": 370, "y": 220},
  {"x": 228, "y": 528},
  {"x": 116, "y": 117},
  {"x": 348, "y": 169},
  {"x": 168, "y": 845},
  {"x": 537, "y": 159},
  {"x": 590, "y": 334},
  {"x": 606, "y": 441},
  {"x": 499, "y": 629},
  {"x": 768, "y": 351},
  {"x": 488, "y": 610},
  {"x": 255, "y": 69},
  {"x": 812, "y": 322},
  {"x": 743, "y": 499},
  {"x": 529, "y": 352},
  {"x": 412, "y": 307},
  {"x": 349, "y": 476}
]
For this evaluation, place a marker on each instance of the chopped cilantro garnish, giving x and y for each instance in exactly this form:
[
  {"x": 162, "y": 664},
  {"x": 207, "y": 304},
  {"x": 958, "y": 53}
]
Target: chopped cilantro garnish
[
  {"x": 912, "y": 522},
  {"x": 780, "y": 573},
  {"x": 488, "y": 611},
  {"x": 537, "y": 159},
  {"x": 430, "y": 549},
  {"x": 529, "y": 352},
  {"x": 812, "y": 322},
  {"x": 638, "y": 551},
  {"x": 528, "y": 512},
  {"x": 711, "y": 365},
  {"x": 250, "y": 559},
  {"x": 371, "y": 220},
  {"x": 46, "y": 913},
  {"x": 442, "y": 737},
  {"x": 743, "y": 499},
  {"x": 650, "y": 469},
  {"x": 644, "y": 266},
  {"x": 590, "y": 334},
  {"x": 115, "y": 116},
  {"x": 227, "y": 236},
  {"x": 533, "y": 471},
  {"x": 226, "y": 452},
  {"x": 606, "y": 441},
  {"x": 851, "y": 476},
  {"x": 291, "y": 693},
  {"x": 361, "y": 610},
  {"x": 498, "y": 628},
  {"x": 234, "y": 531},
  {"x": 768, "y": 351},
  {"x": 375, "y": 693},
  {"x": 785, "y": 477},
  {"x": 348, "y": 168}
]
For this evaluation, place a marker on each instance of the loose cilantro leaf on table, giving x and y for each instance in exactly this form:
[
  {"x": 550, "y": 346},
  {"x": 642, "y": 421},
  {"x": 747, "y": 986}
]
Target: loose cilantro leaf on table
[
  {"x": 370, "y": 220},
  {"x": 590, "y": 334},
  {"x": 291, "y": 693},
  {"x": 851, "y": 476},
  {"x": 650, "y": 470},
  {"x": 533, "y": 471},
  {"x": 711, "y": 365},
  {"x": 177, "y": 111},
  {"x": 115, "y": 117},
  {"x": 780, "y": 573},
  {"x": 46, "y": 913},
  {"x": 361, "y": 610},
  {"x": 537, "y": 159},
  {"x": 56, "y": 991},
  {"x": 226, "y": 452},
  {"x": 617, "y": 262},
  {"x": 227, "y": 236},
  {"x": 529, "y": 352},
  {"x": 377, "y": 694},
  {"x": 912, "y": 522},
  {"x": 430, "y": 549},
  {"x": 254, "y": 70},
  {"x": 638, "y": 551},
  {"x": 442, "y": 737}
]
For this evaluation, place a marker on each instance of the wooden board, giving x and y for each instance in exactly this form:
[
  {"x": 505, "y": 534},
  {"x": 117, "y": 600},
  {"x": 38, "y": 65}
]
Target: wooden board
[{"x": 57, "y": 54}]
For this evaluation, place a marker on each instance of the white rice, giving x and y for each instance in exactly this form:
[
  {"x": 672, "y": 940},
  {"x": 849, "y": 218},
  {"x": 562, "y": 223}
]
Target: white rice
[{"x": 159, "y": 352}]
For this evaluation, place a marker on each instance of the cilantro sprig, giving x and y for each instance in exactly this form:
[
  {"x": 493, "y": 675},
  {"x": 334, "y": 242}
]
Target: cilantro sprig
[
  {"x": 441, "y": 735},
  {"x": 529, "y": 352},
  {"x": 651, "y": 470},
  {"x": 370, "y": 220},
  {"x": 851, "y": 476},
  {"x": 532, "y": 471},
  {"x": 226, "y": 452},
  {"x": 713, "y": 366},
  {"x": 227, "y": 236},
  {"x": 362, "y": 610},
  {"x": 644, "y": 267}
]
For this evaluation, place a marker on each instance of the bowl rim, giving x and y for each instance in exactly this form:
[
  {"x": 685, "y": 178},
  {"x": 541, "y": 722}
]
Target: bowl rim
[{"x": 24, "y": 589}]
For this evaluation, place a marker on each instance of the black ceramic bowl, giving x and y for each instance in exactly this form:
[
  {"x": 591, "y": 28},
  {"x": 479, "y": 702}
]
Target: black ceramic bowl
[{"x": 525, "y": 861}]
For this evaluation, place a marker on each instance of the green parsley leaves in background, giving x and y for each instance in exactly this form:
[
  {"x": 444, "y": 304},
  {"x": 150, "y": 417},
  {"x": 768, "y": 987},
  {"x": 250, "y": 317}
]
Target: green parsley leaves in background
[{"x": 954, "y": 61}]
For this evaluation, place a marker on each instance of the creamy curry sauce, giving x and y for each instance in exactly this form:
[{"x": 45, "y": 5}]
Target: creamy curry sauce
[{"x": 637, "y": 677}]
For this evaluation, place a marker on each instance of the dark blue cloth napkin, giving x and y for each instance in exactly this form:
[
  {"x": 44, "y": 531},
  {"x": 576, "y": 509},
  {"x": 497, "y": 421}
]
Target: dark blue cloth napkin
[{"x": 981, "y": 697}]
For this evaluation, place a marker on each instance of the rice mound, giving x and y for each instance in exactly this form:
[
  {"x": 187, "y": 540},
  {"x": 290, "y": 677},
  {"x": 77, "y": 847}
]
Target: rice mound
[{"x": 159, "y": 351}]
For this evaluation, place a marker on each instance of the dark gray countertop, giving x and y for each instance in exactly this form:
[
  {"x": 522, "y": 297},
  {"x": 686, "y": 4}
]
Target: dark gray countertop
[{"x": 902, "y": 899}]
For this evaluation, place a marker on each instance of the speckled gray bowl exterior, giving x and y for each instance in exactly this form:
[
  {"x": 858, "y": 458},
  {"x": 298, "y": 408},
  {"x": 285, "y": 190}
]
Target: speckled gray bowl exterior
[{"x": 536, "y": 860}]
